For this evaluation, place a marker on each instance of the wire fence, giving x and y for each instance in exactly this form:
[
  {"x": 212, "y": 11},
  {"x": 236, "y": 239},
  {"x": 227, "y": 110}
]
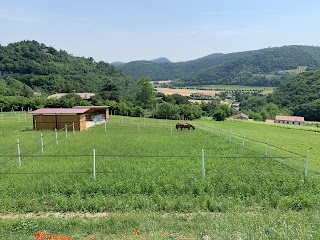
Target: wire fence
[{"x": 11, "y": 155}]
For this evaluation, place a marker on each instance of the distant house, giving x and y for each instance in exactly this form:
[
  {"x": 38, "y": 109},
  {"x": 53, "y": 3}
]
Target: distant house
[
  {"x": 294, "y": 120},
  {"x": 235, "y": 105},
  {"x": 85, "y": 96},
  {"x": 240, "y": 116},
  {"x": 199, "y": 95}
]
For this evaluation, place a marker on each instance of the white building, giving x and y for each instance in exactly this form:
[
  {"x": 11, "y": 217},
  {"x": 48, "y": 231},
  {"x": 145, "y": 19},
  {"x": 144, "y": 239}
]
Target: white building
[{"x": 294, "y": 120}]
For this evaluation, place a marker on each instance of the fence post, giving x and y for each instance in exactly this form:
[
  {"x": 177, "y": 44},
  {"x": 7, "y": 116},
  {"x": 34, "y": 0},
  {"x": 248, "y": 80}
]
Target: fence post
[
  {"x": 307, "y": 162},
  {"x": 19, "y": 154},
  {"x": 57, "y": 141},
  {"x": 203, "y": 171},
  {"x": 66, "y": 127},
  {"x": 74, "y": 132},
  {"x": 41, "y": 138},
  {"x": 94, "y": 164},
  {"x": 243, "y": 141},
  {"x": 267, "y": 147}
]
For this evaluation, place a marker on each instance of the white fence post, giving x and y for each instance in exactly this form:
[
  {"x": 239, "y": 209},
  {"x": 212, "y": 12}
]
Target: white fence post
[
  {"x": 94, "y": 164},
  {"x": 203, "y": 171},
  {"x": 57, "y": 141},
  {"x": 267, "y": 147},
  {"x": 19, "y": 154},
  {"x": 74, "y": 132},
  {"x": 66, "y": 127},
  {"x": 243, "y": 141},
  {"x": 307, "y": 162},
  {"x": 41, "y": 138}
]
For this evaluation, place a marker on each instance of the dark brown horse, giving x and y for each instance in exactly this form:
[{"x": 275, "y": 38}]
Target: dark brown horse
[{"x": 184, "y": 125}]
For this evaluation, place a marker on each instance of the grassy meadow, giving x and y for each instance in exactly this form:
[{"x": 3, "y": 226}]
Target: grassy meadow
[{"x": 149, "y": 178}]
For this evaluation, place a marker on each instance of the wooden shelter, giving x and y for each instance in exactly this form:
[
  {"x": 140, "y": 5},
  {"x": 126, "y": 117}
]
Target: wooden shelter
[{"x": 58, "y": 118}]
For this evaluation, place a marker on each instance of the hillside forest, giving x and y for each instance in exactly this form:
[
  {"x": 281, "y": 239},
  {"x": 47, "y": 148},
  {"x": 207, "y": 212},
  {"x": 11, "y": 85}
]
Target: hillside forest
[{"x": 30, "y": 71}]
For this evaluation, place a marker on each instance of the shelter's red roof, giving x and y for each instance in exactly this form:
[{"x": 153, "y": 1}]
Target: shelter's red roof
[
  {"x": 289, "y": 118},
  {"x": 60, "y": 111},
  {"x": 96, "y": 107}
]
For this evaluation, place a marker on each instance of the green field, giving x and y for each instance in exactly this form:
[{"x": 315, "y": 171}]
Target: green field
[{"x": 149, "y": 178}]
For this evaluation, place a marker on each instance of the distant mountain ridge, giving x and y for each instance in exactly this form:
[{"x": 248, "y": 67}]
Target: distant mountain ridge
[
  {"x": 263, "y": 67},
  {"x": 157, "y": 60}
]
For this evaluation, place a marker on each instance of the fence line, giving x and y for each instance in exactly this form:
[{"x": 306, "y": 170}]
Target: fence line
[
  {"x": 23, "y": 155},
  {"x": 252, "y": 140},
  {"x": 229, "y": 138}
]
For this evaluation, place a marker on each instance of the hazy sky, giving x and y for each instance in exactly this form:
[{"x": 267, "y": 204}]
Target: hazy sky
[{"x": 181, "y": 30}]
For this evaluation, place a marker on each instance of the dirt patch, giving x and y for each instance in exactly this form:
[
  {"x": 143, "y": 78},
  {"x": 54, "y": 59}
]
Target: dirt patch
[
  {"x": 92, "y": 123},
  {"x": 53, "y": 214}
]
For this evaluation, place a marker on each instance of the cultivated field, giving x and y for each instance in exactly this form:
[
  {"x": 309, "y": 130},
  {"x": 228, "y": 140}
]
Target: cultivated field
[
  {"x": 148, "y": 176},
  {"x": 186, "y": 92}
]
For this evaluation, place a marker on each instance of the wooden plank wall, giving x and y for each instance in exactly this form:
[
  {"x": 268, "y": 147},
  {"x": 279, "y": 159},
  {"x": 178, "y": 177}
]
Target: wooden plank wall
[{"x": 42, "y": 122}]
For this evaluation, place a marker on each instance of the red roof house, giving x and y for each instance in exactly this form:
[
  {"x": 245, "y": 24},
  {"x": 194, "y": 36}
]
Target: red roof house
[{"x": 294, "y": 120}]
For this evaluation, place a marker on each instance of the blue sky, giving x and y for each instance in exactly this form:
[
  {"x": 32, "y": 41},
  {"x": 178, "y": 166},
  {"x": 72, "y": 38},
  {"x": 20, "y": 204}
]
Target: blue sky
[{"x": 181, "y": 30}]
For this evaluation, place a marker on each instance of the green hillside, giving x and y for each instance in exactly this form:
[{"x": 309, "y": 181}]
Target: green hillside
[
  {"x": 299, "y": 96},
  {"x": 48, "y": 70},
  {"x": 264, "y": 67}
]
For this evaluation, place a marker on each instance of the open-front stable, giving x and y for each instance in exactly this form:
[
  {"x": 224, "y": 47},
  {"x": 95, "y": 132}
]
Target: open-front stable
[
  {"x": 75, "y": 118},
  {"x": 95, "y": 113},
  {"x": 58, "y": 118}
]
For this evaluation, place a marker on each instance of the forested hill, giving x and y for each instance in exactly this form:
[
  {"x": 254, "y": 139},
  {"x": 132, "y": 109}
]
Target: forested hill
[
  {"x": 301, "y": 95},
  {"x": 28, "y": 66},
  {"x": 264, "y": 67}
]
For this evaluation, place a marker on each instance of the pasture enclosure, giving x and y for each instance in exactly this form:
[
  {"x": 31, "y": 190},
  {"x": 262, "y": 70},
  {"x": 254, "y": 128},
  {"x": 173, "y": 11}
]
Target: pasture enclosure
[{"x": 146, "y": 165}]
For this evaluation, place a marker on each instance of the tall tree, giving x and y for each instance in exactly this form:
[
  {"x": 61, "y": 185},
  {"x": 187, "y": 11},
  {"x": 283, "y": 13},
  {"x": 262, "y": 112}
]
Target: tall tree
[{"x": 145, "y": 94}]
